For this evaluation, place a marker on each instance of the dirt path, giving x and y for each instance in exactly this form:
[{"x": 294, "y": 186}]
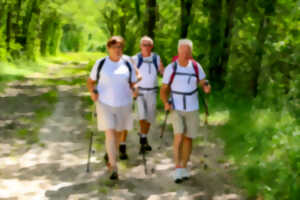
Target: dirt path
[{"x": 55, "y": 168}]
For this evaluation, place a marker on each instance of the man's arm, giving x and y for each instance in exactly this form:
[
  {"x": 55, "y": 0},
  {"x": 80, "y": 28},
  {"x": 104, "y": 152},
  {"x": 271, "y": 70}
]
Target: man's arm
[
  {"x": 137, "y": 73},
  {"x": 91, "y": 87},
  {"x": 205, "y": 85},
  {"x": 133, "y": 85},
  {"x": 161, "y": 68},
  {"x": 164, "y": 95}
]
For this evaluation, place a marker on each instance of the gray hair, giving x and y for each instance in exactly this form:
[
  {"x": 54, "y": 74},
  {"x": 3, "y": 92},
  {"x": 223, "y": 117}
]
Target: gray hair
[
  {"x": 146, "y": 38},
  {"x": 185, "y": 42}
]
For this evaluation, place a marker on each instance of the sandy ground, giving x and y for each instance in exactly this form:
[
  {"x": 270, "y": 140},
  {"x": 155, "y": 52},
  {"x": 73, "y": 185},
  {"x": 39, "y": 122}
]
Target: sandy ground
[{"x": 55, "y": 168}]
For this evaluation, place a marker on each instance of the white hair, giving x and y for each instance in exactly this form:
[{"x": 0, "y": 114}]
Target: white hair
[
  {"x": 185, "y": 42},
  {"x": 146, "y": 38}
]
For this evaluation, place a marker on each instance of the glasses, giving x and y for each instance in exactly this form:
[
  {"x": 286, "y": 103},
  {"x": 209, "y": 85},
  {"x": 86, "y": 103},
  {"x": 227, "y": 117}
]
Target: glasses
[
  {"x": 147, "y": 45},
  {"x": 117, "y": 47}
]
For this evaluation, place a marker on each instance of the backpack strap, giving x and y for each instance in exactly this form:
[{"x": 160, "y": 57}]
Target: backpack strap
[
  {"x": 154, "y": 60},
  {"x": 101, "y": 63},
  {"x": 173, "y": 74},
  {"x": 130, "y": 71},
  {"x": 140, "y": 60},
  {"x": 195, "y": 66}
]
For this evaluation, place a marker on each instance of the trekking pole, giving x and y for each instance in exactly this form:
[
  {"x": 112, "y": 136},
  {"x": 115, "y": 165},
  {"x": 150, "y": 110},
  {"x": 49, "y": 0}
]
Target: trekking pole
[
  {"x": 144, "y": 162},
  {"x": 206, "y": 109},
  {"x": 204, "y": 103},
  {"x": 89, "y": 153},
  {"x": 90, "y": 145},
  {"x": 163, "y": 129}
]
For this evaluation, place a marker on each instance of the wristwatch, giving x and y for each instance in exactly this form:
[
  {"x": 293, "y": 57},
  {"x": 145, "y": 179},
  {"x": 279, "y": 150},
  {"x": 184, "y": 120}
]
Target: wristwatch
[
  {"x": 206, "y": 82},
  {"x": 95, "y": 91}
]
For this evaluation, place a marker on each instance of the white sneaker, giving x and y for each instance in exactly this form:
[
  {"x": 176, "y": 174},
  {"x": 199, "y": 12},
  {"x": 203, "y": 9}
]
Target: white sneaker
[
  {"x": 177, "y": 175},
  {"x": 185, "y": 174}
]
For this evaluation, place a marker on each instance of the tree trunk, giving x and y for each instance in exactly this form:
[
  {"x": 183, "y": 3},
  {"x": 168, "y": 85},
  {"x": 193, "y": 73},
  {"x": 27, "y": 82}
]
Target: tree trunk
[
  {"x": 32, "y": 32},
  {"x": 8, "y": 29},
  {"x": 216, "y": 71},
  {"x": 150, "y": 17},
  {"x": 109, "y": 20},
  {"x": 20, "y": 37},
  {"x": 263, "y": 30},
  {"x": 259, "y": 52},
  {"x": 230, "y": 10},
  {"x": 122, "y": 18},
  {"x": 186, "y": 6}
]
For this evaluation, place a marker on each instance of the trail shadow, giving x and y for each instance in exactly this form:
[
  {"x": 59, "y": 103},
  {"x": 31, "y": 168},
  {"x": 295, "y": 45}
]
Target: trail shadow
[{"x": 62, "y": 193}]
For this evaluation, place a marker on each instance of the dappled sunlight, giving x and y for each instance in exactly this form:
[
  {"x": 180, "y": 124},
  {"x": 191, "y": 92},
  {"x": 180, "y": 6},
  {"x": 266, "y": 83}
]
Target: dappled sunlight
[
  {"x": 226, "y": 197},
  {"x": 55, "y": 166}
]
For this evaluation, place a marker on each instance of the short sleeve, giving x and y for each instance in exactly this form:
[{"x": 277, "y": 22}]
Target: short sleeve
[
  {"x": 167, "y": 74},
  {"x": 158, "y": 60},
  {"x": 93, "y": 74},
  {"x": 201, "y": 72},
  {"x": 134, "y": 59},
  {"x": 133, "y": 74}
]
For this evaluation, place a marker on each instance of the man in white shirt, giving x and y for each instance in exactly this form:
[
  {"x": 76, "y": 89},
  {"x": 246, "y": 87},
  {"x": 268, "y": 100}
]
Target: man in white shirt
[
  {"x": 180, "y": 82},
  {"x": 149, "y": 66}
]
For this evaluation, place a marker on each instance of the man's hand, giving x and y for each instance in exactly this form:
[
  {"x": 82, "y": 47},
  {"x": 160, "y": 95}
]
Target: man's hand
[
  {"x": 135, "y": 92},
  {"x": 207, "y": 89},
  {"x": 92, "y": 89},
  {"x": 168, "y": 106},
  {"x": 94, "y": 96},
  {"x": 205, "y": 86}
]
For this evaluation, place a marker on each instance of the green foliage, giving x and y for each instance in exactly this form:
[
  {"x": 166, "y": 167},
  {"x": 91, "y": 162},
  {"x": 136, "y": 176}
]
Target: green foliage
[
  {"x": 264, "y": 144},
  {"x": 263, "y": 66}
]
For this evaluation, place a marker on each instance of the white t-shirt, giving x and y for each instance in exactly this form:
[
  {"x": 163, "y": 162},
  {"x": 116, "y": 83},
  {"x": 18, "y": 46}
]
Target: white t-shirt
[
  {"x": 184, "y": 83},
  {"x": 113, "y": 86},
  {"x": 147, "y": 71}
]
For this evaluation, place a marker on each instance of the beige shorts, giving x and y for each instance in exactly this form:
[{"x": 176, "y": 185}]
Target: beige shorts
[
  {"x": 186, "y": 123},
  {"x": 116, "y": 118},
  {"x": 146, "y": 103}
]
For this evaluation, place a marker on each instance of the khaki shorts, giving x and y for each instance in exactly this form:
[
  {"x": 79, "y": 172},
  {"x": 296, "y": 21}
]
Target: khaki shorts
[
  {"x": 116, "y": 118},
  {"x": 146, "y": 103},
  {"x": 186, "y": 123}
]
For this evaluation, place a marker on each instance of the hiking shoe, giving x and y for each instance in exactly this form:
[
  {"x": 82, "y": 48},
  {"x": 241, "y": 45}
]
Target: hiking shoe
[
  {"x": 142, "y": 149},
  {"x": 185, "y": 174},
  {"x": 144, "y": 144},
  {"x": 177, "y": 175},
  {"x": 123, "y": 155},
  {"x": 114, "y": 176},
  {"x": 148, "y": 147}
]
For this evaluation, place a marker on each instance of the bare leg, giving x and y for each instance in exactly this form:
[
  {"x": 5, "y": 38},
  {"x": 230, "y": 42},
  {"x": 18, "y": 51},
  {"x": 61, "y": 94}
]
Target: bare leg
[
  {"x": 186, "y": 151},
  {"x": 123, "y": 136},
  {"x": 122, "y": 144},
  {"x": 178, "y": 138},
  {"x": 119, "y": 137},
  {"x": 144, "y": 126},
  {"x": 110, "y": 145}
]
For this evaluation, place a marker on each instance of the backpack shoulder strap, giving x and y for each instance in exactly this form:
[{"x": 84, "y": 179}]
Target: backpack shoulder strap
[
  {"x": 129, "y": 69},
  {"x": 101, "y": 63},
  {"x": 154, "y": 60},
  {"x": 173, "y": 73},
  {"x": 195, "y": 66},
  {"x": 140, "y": 60}
]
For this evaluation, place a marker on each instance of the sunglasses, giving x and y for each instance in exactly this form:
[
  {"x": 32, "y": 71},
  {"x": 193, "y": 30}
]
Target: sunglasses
[
  {"x": 147, "y": 45},
  {"x": 117, "y": 47}
]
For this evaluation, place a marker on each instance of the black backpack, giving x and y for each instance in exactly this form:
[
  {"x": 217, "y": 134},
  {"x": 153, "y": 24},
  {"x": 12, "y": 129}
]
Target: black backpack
[{"x": 154, "y": 60}]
